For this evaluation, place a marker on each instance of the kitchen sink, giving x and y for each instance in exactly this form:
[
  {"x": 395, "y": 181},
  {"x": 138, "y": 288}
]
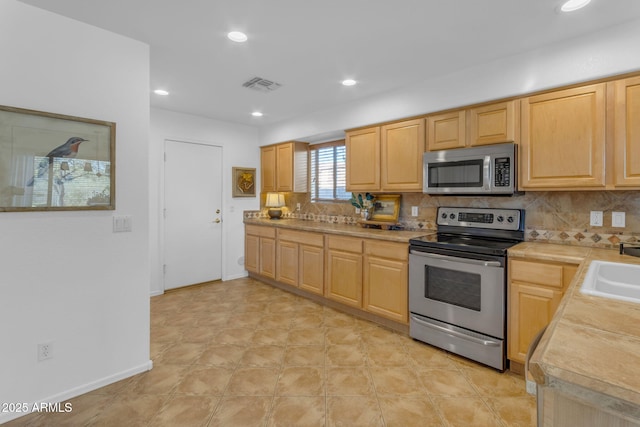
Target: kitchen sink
[{"x": 613, "y": 280}]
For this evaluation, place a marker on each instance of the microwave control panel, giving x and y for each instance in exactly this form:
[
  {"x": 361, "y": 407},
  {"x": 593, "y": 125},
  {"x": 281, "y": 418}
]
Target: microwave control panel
[{"x": 502, "y": 172}]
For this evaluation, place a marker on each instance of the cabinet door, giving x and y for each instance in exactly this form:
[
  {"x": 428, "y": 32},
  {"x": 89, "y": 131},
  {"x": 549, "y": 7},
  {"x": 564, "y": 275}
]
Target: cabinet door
[
  {"x": 268, "y": 257},
  {"x": 284, "y": 167},
  {"x": 268, "y": 168},
  {"x": 344, "y": 277},
  {"x": 446, "y": 131},
  {"x": 563, "y": 139},
  {"x": 492, "y": 124},
  {"x": 627, "y": 133},
  {"x": 287, "y": 263},
  {"x": 386, "y": 287},
  {"x": 363, "y": 159},
  {"x": 402, "y": 148},
  {"x": 531, "y": 309},
  {"x": 311, "y": 275},
  {"x": 252, "y": 253}
]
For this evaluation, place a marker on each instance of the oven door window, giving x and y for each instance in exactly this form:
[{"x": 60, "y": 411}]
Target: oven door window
[
  {"x": 459, "y": 288},
  {"x": 465, "y": 173}
]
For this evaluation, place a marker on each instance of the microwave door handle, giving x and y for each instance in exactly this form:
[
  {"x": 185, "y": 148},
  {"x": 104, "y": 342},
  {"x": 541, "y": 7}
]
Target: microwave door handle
[
  {"x": 487, "y": 173},
  {"x": 456, "y": 259}
]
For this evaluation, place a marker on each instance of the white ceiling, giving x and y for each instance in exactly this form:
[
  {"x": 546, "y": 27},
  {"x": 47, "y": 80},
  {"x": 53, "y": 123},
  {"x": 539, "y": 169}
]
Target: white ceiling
[{"x": 311, "y": 46}]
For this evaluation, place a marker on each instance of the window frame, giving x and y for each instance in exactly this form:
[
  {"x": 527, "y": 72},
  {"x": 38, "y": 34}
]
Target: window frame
[{"x": 313, "y": 181}]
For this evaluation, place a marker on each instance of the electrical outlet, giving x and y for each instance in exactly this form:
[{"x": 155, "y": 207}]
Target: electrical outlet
[
  {"x": 617, "y": 219},
  {"x": 45, "y": 351},
  {"x": 414, "y": 211},
  {"x": 297, "y": 207},
  {"x": 596, "y": 219}
]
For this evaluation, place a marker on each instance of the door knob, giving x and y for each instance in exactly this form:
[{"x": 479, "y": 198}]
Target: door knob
[
  {"x": 217, "y": 221},
  {"x": 217, "y": 210}
]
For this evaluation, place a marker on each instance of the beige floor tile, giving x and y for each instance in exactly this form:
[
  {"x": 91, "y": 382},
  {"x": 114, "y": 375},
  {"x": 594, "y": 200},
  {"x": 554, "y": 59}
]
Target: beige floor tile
[
  {"x": 386, "y": 355},
  {"x": 275, "y": 320},
  {"x": 353, "y": 411},
  {"x": 241, "y": 411},
  {"x": 349, "y": 381},
  {"x": 253, "y": 382},
  {"x": 304, "y": 355},
  {"x": 396, "y": 381},
  {"x": 343, "y": 336},
  {"x": 515, "y": 411},
  {"x": 205, "y": 380},
  {"x": 345, "y": 355},
  {"x": 166, "y": 334},
  {"x": 308, "y": 336},
  {"x": 263, "y": 356},
  {"x": 244, "y": 320},
  {"x": 298, "y": 412},
  {"x": 309, "y": 320},
  {"x": 161, "y": 380},
  {"x": 406, "y": 412},
  {"x": 336, "y": 319},
  {"x": 465, "y": 411},
  {"x": 186, "y": 411},
  {"x": 213, "y": 319},
  {"x": 132, "y": 411},
  {"x": 237, "y": 336},
  {"x": 301, "y": 381},
  {"x": 182, "y": 353},
  {"x": 199, "y": 334},
  {"x": 446, "y": 383},
  {"x": 491, "y": 383},
  {"x": 270, "y": 337},
  {"x": 227, "y": 356}
]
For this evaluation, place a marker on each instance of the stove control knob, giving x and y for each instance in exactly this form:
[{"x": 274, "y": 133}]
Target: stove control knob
[
  {"x": 500, "y": 218},
  {"x": 444, "y": 215},
  {"x": 510, "y": 219},
  {"x": 452, "y": 216}
]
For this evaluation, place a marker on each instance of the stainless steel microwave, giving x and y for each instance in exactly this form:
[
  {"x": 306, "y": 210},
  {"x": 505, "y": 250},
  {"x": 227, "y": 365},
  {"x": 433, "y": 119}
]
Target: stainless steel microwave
[{"x": 487, "y": 170}]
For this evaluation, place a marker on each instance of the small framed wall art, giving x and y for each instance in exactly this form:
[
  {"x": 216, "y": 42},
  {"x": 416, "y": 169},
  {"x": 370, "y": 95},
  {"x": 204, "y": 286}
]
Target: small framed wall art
[
  {"x": 52, "y": 162},
  {"x": 244, "y": 182},
  {"x": 386, "y": 208}
]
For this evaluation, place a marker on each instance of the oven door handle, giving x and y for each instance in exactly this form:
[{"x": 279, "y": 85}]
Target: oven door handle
[
  {"x": 456, "y": 334},
  {"x": 456, "y": 259}
]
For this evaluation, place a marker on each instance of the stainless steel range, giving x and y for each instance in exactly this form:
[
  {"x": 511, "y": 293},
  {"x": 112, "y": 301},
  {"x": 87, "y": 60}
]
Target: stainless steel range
[{"x": 457, "y": 282}]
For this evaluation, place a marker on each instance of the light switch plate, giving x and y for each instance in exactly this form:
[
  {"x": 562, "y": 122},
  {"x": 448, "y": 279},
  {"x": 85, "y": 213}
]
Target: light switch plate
[
  {"x": 596, "y": 219},
  {"x": 617, "y": 219},
  {"x": 414, "y": 211}
]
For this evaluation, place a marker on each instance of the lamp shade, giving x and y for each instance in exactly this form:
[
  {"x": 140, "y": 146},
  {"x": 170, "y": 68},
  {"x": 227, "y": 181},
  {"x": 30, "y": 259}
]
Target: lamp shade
[{"x": 274, "y": 200}]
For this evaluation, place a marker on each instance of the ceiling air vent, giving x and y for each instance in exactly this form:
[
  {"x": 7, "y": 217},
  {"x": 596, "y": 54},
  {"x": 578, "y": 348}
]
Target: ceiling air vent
[{"x": 261, "y": 85}]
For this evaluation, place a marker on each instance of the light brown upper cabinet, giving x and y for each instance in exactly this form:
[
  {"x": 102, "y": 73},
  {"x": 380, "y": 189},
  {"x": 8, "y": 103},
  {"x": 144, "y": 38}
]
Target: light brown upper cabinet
[
  {"x": 562, "y": 143},
  {"x": 446, "y": 131},
  {"x": 284, "y": 167},
  {"x": 493, "y": 124},
  {"x": 627, "y": 133},
  {"x": 483, "y": 125},
  {"x": 386, "y": 158}
]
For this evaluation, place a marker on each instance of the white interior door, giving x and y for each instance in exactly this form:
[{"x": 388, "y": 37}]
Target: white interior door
[{"x": 193, "y": 213}]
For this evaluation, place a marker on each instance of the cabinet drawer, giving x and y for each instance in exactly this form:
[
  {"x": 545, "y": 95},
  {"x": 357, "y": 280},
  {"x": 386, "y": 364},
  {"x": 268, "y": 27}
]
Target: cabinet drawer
[
  {"x": 345, "y": 244},
  {"x": 306, "y": 238},
  {"x": 256, "y": 230},
  {"x": 536, "y": 272},
  {"x": 397, "y": 251}
]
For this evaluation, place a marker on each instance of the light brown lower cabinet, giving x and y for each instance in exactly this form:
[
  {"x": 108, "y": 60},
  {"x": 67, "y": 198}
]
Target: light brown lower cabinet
[
  {"x": 300, "y": 259},
  {"x": 260, "y": 250},
  {"x": 366, "y": 274},
  {"x": 535, "y": 291},
  {"x": 386, "y": 279}
]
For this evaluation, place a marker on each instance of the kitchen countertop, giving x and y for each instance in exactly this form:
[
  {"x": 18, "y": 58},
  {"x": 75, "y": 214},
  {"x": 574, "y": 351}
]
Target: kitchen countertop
[
  {"x": 591, "y": 348},
  {"x": 352, "y": 230}
]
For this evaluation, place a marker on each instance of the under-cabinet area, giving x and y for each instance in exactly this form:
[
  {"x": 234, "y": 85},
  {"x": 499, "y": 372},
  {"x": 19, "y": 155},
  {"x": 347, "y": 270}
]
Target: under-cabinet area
[{"x": 359, "y": 269}]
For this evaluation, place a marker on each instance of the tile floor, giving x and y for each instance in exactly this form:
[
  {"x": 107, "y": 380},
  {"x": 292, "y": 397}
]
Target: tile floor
[{"x": 242, "y": 353}]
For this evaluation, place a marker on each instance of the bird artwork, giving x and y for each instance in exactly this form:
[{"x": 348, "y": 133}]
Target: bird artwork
[{"x": 67, "y": 150}]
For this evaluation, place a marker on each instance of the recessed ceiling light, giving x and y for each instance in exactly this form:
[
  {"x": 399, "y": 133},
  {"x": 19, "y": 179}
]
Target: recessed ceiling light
[
  {"x": 256, "y": 114},
  {"x": 161, "y": 92},
  {"x": 349, "y": 82},
  {"x": 237, "y": 36},
  {"x": 572, "y": 5}
]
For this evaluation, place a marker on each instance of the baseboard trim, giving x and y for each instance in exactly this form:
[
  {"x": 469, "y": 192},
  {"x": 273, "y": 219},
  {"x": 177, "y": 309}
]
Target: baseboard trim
[
  {"x": 235, "y": 276},
  {"x": 77, "y": 391}
]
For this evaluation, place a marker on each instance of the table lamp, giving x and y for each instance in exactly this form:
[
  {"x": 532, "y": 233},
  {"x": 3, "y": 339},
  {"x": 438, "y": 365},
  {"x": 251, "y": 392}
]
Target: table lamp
[{"x": 274, "y": 202}]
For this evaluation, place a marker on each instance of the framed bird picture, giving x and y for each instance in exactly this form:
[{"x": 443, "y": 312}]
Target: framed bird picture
[{"x": 52, "y": 162}]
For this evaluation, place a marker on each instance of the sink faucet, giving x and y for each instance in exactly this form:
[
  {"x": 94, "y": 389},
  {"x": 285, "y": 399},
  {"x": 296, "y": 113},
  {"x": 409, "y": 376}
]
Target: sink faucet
[{"x": 631, "y": 248}]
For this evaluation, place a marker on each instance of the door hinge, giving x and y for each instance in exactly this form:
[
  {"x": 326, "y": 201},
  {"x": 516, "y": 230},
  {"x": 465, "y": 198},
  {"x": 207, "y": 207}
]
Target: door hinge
[{"x": 164, "y": 269}]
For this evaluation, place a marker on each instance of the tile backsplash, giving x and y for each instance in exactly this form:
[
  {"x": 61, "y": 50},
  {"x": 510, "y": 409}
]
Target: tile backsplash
[{"x": 555, "y": 216}]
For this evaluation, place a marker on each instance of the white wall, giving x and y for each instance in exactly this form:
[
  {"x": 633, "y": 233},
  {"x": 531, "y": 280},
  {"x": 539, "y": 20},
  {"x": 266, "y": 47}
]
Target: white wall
[
  {"x": 64, "y": 276},
  {"x": 606, "y": 53},
  {"x": 239, "y": 148}
]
